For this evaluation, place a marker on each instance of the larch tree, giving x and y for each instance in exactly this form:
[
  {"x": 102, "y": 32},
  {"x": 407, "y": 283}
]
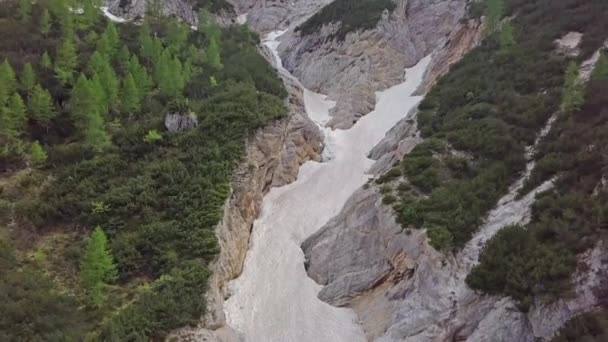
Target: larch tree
[
  {"x": 8, "y": 81},
  {"x": 45, "y": 22},
  {"x": 66, "y": 61},
  {"x": 600, "y": 71},
  {"x": 45, "y": 61},
  {"x": 28, "y": 78},
  {"x": 213, "y": 54},
  {"x": 97, "y": 268},
  {"x": 40, "y": 106},
  {"x": 140, "y": 75},
  {"x": 37, "y": 154},
  {"x": 130, "y": 97},
  {"x": 112, "y": 39},
  {"x": 87, "y": 112},
  {"x": 572, "y": 91},
  {"x": 15, "y": 112},
  {"x": 123, "y": 57}
]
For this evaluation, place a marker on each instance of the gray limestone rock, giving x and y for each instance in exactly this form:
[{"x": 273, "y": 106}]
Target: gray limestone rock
[{"x": 178, "y": 122}]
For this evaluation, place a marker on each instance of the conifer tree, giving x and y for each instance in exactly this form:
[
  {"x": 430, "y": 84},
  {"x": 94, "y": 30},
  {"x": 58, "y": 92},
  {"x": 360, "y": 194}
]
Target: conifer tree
[
  {"x": 45, "y": 61},
  {"x": 140, "y": 75},
  {"x": 130, "y": 98},
  {"x": 97, "y": 268},
  {"x": 169, "y": 75},
  {"x": 213, "y": 54},
  {"x": 177, "y": 35},
  {"x": 8, "y": 81},
  {"x": 66, "y": 61},
  {"x": 15, "y": 114},
  {"x": 600, "y": 71},
  {"x": 28, "y": 78},
  {"x": 123, "y": 57},
  {"x": 37, "y": 155},
  {"x": 40, "y": 106},
  {"x": 87, "y": 111},
  {"x": 45, "y": 22},
  {"x": 25, "y": 9},
  {"x": 110, "y": 37},
  {"x": 573, "y": 91},
  {"x": 110, "y": 84},
  {"x": 90, "y": 13}
]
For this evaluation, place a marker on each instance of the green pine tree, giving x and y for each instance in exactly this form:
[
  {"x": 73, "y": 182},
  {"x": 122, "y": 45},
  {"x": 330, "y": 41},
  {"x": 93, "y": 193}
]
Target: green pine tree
[
  {"x": 140, "y": 75},
  {"x": 130, "y": 98},
  {"x": 40, "y": 106},
  {"x": 66, "y": 61},
  {"x": 45, "y": 22},
  {"x": 8, "y": 82},
  {"x": 123, "y": 57},
  {"x": 572, "y": 91},
  {"x": 37, "y": 155},
  {"x": 110, "y": 35},
  {"x": 177, "y": 35},
  {"x": 213, "y": 54},
  {"x": 97, "y": 268},
  {"x": 16, "y": 114},
  {"x": 600, "y": 71},
  {"x": 28, "y": 78},
  {"x": 87, "y": 111},
  {"x": 45, "y": 61},
  {"x": 25, "y": 9}
]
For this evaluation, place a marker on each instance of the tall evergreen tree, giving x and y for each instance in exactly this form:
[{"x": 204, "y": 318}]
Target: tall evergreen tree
[
  {"x": 16, "y": 114},
  {"x": 25, "y": 9},
  {"x": 66, "y": 61},
  {"x": 37, "y": 155},
  {"x": 110, "y": 39},
  {"x": 572, "y": 91},
  {"x": 8, "y": 81},
  {"x": 45, "y": 22},
  {"x": 40, "y": 106},
  {"x": 87, "y": 111},
  {"x": 130, "y": 98},
  {"x": 600, "y": 71},
  {"x": 140, "y": 75},
  {"x": 177, "y": 35},
  {"x": 28, "y": 78},
  {"x": 123, "y": 57},
  {"x": 213, "y": 53},
  {"x": 45, "y": 61},
  {"x": 97, "y": 266}
]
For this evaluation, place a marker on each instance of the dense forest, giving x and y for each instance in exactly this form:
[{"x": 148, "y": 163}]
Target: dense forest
[
  {"x": 106, "y": 217},
  {"x": 477, "y": 122}
]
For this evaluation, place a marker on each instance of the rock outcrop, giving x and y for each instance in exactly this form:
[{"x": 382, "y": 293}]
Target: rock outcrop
[
  {"x": 351, "y": 71},
  {"x": 180, "y": 122},
  {"x": 131, "y": 9},
  {"x": 404, "y": 290}
]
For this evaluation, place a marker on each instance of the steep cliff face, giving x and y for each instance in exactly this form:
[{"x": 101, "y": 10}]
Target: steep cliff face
[
  {"x": 130, "y": 9},
  {"x": 350, "y": 71},
  {"x": 273, "y": 158},
  {"x": 268, "y": 15}
]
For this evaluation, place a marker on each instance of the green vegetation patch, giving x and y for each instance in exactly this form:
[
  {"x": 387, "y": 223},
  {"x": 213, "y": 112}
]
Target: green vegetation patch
[
  {"x": 353, "y": 15},
  {"x": 83, "y": 101}
]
